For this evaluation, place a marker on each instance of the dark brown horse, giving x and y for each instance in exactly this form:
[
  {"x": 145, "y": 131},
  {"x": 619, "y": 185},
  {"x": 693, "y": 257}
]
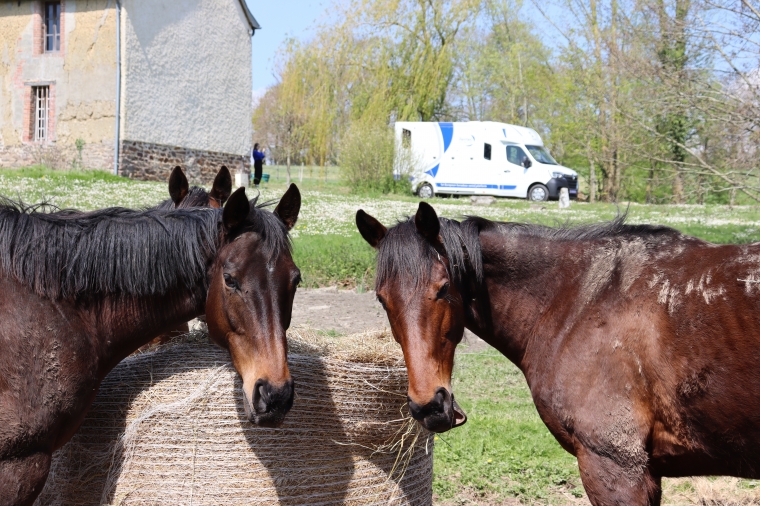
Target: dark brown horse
[
  {"x": 81, "y": 291},
  {"x": 640, "y": 345}
]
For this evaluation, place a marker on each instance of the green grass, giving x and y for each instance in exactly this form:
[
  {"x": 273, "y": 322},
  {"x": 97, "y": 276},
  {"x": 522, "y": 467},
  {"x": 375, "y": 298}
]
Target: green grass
[
  {"x": 41, "y": 172},
  {"x": 504, "y": 450},
  {"x": 327, "y": 260}
]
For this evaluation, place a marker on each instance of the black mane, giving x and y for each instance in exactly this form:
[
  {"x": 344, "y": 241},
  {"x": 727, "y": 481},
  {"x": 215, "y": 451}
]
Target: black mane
[
  {"x": 68, "y": 253},
  {"x": 593, "y": 231},
  {"x": 196, "y": 197},
  {"x": 404, "y": 252}
]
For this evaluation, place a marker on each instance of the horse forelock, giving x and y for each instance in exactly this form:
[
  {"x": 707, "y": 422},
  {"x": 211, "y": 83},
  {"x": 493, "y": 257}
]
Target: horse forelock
[
  {"x": 274, "y": 235},
  {"x": 67, "y": 253},
  {"x": 405, "y": 255}
]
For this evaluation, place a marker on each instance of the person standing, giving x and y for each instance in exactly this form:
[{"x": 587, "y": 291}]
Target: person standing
[{"x": 258, "y": 164}]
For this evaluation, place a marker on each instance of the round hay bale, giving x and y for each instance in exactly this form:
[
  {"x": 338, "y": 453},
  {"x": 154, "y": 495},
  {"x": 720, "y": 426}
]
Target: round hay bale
[{"x": 168, "y": 427}]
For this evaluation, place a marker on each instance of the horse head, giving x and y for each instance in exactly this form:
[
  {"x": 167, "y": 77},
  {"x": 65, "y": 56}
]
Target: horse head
[
  {"x": 424, "y": 307},
  {"x": 252, "y": 282}
]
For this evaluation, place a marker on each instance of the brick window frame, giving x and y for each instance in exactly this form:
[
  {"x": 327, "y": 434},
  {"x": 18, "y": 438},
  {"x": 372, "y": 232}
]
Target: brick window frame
[
  {"x": 38, "y": 35},
  {"x": 30, "y": 112}
]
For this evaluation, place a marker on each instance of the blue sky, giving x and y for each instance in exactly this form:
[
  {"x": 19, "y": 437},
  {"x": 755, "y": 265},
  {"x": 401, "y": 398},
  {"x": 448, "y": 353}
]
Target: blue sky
[{"x": 279, "y": 19}]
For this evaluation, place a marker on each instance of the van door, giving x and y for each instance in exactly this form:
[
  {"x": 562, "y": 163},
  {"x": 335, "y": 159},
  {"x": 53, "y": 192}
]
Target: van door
[{"x": 517, "y": 177}]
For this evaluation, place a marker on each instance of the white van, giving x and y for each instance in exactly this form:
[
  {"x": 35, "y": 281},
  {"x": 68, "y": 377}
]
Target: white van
[{"x": 483, "y": 158}]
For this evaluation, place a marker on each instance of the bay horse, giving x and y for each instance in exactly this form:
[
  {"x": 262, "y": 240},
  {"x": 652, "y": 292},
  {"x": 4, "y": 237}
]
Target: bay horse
[
  {"x": 640, "y": 345},
  {"x": 80, "y": 291}
]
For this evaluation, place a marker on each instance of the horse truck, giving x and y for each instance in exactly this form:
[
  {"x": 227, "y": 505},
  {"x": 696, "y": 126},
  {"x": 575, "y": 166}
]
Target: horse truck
[{"x": 482, "y": 158}]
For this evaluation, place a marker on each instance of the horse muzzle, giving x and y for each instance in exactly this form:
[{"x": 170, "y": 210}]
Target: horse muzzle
[
  {"x": 269, "y": 403},
  {"x": 440, "y": 414}
]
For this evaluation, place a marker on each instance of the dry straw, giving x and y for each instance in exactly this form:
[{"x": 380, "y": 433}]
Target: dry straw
[{"x": 168, "y": 427}]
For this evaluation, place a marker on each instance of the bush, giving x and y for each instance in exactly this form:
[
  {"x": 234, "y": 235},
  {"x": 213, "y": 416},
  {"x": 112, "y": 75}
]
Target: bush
[{"x": 368, "y": 160}]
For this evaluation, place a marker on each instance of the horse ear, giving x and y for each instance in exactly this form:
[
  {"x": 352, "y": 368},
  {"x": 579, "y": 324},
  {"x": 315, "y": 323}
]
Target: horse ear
[
  {"x": 222, "y": 187},
  {"x": 236, "y": 210},
  {"x": 290, "y": 204},
  {"x": 372, "y": 230},
  {"x": 426, "y": 221},
  {"x": 178, "y": 186}
]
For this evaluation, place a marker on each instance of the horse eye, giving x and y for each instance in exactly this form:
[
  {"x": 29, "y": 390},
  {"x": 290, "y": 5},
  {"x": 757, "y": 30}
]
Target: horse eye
[
  {"x": 297, "y": 280},
  {"x": 444, "y": 290},
  {"x": 230, "y": 281},
  {"x": 381, "y": 301}
]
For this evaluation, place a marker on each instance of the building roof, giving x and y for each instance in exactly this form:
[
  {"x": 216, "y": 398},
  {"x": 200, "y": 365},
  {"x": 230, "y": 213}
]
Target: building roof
[{"x": 251, "y": 20}]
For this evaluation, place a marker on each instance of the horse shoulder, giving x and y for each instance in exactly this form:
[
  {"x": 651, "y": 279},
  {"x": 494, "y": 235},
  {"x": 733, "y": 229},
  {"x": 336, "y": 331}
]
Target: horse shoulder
[{"x": 47, "y": 370}]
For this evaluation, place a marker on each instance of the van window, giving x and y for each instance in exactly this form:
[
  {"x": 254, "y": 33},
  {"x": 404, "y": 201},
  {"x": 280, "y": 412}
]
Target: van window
[
  {"x": 487, "y": 151},
  {"x": 541, "y": 155},
  {"x": 515, "y": 154},
  {"x": 406, "y": 138}
]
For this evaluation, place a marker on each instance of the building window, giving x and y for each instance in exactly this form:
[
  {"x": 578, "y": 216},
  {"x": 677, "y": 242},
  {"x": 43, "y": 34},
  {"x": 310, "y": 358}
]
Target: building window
[
  {"x": 406, "y": 138},
  {"x": 487, "y": 151},
  {"x": 41, "y": 110},
  {"x": 52, "y": 27}
]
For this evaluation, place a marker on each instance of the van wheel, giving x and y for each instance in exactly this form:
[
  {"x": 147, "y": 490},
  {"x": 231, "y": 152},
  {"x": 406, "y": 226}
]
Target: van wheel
[
  {"x": 425, "y": 191},
  {"x": 538, "y": 193}
]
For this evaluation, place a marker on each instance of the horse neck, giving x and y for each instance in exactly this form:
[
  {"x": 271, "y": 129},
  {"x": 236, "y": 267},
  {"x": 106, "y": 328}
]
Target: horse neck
[
  {"x": 121, "y": 324},
  {"x": 526, "y": 282}
]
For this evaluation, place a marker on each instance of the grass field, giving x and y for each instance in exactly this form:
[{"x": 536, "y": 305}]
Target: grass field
[{"x": 504, "y": 453}]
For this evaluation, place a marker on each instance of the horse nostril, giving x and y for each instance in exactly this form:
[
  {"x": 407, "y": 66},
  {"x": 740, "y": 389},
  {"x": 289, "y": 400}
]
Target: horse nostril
[
  {"x": 268, "y": 398},
  {"x": 260, "y": 396},
  {"x": 436, "y": 407}
]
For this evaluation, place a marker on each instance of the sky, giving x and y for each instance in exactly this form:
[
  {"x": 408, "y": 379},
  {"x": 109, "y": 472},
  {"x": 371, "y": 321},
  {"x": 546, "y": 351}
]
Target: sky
[{"x": 279, "y": 20}]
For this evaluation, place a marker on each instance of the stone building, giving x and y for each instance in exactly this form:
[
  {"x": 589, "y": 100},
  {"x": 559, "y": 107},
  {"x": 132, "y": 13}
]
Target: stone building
[{"x": 152, "y": 83}]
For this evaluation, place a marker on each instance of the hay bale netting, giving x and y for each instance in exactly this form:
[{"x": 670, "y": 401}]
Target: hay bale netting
[{"x": 168, "y": 427}]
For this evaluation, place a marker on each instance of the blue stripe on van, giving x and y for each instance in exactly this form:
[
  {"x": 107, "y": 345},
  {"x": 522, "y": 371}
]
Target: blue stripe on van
[
  {"x": 447, "y": 131},
  {"x": 486, "y": 186}
]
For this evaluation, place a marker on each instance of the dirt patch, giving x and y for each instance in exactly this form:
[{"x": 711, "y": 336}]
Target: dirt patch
[
  {"x": 348, "y": 312},
  {"x": 338, "y": 311}
]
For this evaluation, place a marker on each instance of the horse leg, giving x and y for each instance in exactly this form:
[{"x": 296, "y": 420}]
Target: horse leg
[
  {"x": 22, "y": 480},
  {"x": 609, "y": 484}
]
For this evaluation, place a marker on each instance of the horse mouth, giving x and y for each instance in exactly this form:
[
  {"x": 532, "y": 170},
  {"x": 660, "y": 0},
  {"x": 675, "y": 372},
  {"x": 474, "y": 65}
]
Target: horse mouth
[
  {"x": 268, "y": 420},
  {"x": 460, "y": 417}
]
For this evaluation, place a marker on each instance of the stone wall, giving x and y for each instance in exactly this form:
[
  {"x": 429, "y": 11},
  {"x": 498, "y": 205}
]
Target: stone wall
[
  {"x": 154, "y": 162},
  {"x": 58, "y": 156}
]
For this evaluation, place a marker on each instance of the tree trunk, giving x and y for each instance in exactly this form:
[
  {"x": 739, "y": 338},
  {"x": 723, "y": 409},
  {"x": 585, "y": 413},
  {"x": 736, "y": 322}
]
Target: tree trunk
[
  {"x": 288, "y": 170},
  {"x": 591, "y": 178}
]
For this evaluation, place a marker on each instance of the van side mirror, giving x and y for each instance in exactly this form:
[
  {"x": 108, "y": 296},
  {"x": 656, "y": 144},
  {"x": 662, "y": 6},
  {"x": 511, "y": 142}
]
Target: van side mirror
[{"x": 526, "y": 162}]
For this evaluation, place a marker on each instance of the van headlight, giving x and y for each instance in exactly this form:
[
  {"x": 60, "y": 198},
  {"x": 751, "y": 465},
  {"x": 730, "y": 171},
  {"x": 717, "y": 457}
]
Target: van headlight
[{"x": 558, "y": 175}]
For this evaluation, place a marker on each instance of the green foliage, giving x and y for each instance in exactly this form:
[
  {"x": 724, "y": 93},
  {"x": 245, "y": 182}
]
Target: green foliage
[
  {"x": 632, "y": 94},
  {"x": 368, "y": 160}
]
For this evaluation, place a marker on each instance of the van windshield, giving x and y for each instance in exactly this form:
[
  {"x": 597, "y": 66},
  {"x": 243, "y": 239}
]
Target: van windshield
[{"x": 541, "y": 155}]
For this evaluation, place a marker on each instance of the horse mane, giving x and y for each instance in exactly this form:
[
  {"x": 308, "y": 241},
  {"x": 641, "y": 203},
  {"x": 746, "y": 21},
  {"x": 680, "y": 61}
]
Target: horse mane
[
  {"x": 404, "y": 252},
  {"x": 615, "y": 228},
  {"x": 68, "y": 253},
  {"x": 196, "y": 197}
]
